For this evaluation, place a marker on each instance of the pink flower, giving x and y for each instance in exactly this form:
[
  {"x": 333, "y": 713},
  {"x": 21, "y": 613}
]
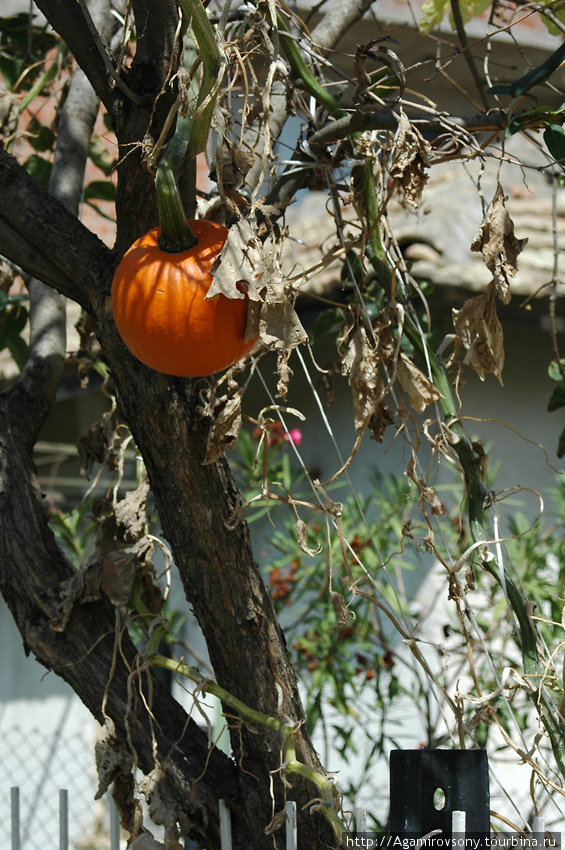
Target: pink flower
[{"x": 294, "y": 436}]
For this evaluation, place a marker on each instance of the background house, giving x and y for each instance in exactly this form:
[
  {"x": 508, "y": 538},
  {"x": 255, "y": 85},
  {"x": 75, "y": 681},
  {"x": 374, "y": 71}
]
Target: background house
[{"x": 46, "y": 735}]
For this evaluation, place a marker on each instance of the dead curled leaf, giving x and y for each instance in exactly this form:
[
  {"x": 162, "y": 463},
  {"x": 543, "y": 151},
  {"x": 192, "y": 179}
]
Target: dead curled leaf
[
  {"x": 499, "y": 246},
  {"x": 409, "y": 160},
  {"x": 301, "y": 534},
  {"x": 278, "y": 820},
  {"x": 241, "y": 262},
  {"x": 480, "y": 332},
  {"x": 112, "y": 759},
  {"x": 225, "y": 414},
  {"x": 379, "y": 422},
  {"x": 340, "y": 608},
  {"x": 130, "y": 512},
  {"x": 360, "y": 364},
  {"x": 83, "y": 586},
  {"x": 418, "y": 387},
  {"x": 427, "y": 494},
  {"x": 247, "y": 266}
]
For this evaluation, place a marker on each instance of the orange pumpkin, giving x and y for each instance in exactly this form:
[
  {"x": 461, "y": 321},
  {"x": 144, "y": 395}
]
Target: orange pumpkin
[{"x": 162, "y": 314}]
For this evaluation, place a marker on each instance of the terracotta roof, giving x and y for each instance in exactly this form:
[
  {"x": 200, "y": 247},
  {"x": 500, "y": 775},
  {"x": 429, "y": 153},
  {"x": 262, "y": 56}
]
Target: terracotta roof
[{"x": 437, "y": 237}]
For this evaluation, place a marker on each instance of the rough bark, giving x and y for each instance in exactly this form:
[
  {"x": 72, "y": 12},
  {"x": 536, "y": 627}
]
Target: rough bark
[
  {"x": 86, "y": 653},
  {"x": 84, "y": 642},
  {"x": 42, "y": 237}
]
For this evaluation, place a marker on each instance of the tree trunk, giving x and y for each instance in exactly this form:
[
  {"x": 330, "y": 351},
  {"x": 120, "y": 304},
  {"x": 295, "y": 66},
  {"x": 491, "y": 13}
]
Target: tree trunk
[{"x": 63, "y": 619}]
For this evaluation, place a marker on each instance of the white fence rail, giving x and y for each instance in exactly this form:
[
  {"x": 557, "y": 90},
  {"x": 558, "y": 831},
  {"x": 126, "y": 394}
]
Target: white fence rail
[
  {"x": 457, "y": 824},
  {"x": 114, "y": 837}
]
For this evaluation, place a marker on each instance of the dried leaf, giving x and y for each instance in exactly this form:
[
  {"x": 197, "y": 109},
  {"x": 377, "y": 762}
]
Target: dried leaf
[
  {"x": 377, "y": 52},
  {"x": 499, "y": 246},
  {"x": 83, "y": 586},
  {"x": 409, "y": 159},
  {"x": 246, "y": 266},
  {"x": 229, "y": 169},
  {"x": 226, "y": 425},
  {"x": 240, "y": 267},
  {"x": 279, "y": 819},
  {"x": 477, "y": 326},
  {"x": 163, "y": 805},
  {"x": 340, "y": 608},
  {"x": 379, "y": 422},
  {"x": 123, "y": 565},
  {"x": 131, "y": 513},
  {"x": 112, "y": 760},
  {"x": 360, "y": 364},
  {"x": 99, "y": 445},
  {"x": 146, "y": 841},
  {"x": 427, "y": 493},
  {"x": 419, "y": 388},
  {"x": 114, "y": 765},
  {"x": 302, "y": 533},
  {"x": 279, "y": 326}
]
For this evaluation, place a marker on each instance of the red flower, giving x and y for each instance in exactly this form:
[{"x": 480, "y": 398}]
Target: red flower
[{"x": 278, "y": 434}]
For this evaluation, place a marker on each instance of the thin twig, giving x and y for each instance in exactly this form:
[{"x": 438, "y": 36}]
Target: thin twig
[{"x": 460, "y": 27}]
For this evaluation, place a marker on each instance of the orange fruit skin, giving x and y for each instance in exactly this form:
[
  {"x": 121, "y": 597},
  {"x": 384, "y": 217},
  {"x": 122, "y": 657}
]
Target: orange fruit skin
[{"x": 162, "y": 314}]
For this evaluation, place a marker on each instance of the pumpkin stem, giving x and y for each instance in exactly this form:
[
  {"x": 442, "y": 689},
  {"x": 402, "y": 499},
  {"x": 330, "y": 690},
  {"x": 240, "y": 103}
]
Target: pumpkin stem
[
  {"x": 196, "y": 106},
  {"x": 176, "y": 235},
  {"x": 207, "y": 88}
]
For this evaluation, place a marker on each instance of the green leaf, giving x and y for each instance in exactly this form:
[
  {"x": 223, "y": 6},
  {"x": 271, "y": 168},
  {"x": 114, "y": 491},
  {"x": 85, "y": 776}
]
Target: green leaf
[
  {"x": 561, "y": 444},
  {"x": 556, "y": 370},
  {"x": 3, "y": 300},
  {"x": 501, "y": 88},
  {"x": 538, "y": 74},
  {"x": 39, "y": 169},
  {"x": 41, "y": 138},
  {"x": 18, "y": 349},
  {"x": 554, "y": 137},
  {"x": 16, "y": 320},
  {"x": 21, "y": 46},
  {"x": 100, "y": 190},
  {"x": 98, "y": 153},
  {"x": 432, "y": 14},
  {"x": 326, "y": 322},
  {"x": 557, "y": 399}
]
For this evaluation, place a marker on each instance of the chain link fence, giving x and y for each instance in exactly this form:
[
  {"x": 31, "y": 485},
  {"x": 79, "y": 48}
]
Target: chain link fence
[{"x": 40, "y": 764}]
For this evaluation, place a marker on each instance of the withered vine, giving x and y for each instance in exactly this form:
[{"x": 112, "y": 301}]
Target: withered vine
[{"x": 227, "y": 83}]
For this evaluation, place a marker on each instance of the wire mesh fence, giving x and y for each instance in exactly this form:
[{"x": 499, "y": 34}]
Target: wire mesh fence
[{"x": 39, "y": 765}]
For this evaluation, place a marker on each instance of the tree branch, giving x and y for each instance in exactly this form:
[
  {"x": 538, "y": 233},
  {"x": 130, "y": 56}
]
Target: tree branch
[
  {"x": 68, "y": 19},
  {"x": 48, "y": 313},
  {"x": 41, "y": 587},
  {"x": 338, "y": 20},
  {"x": 326, "y": 34},
  {"x": 40, "y": 236},
  {"x": 465, "y": 49},
  {"x": 156, "y": 26}
]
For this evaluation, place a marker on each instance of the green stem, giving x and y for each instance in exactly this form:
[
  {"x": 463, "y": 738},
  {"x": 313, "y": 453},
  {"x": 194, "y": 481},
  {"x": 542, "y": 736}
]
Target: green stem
[
  {"x": 199, "y": 125},
  {"x": 303, "y": 77},
  {"x": 248, "y": 713},
  {"x": 176, "y": 235},
  {"x": 475, "y": 489},
  {"x": 325, "y": 786},
  {"x": 291, "y": 763},
  {"x": 191, "y": 131}
]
